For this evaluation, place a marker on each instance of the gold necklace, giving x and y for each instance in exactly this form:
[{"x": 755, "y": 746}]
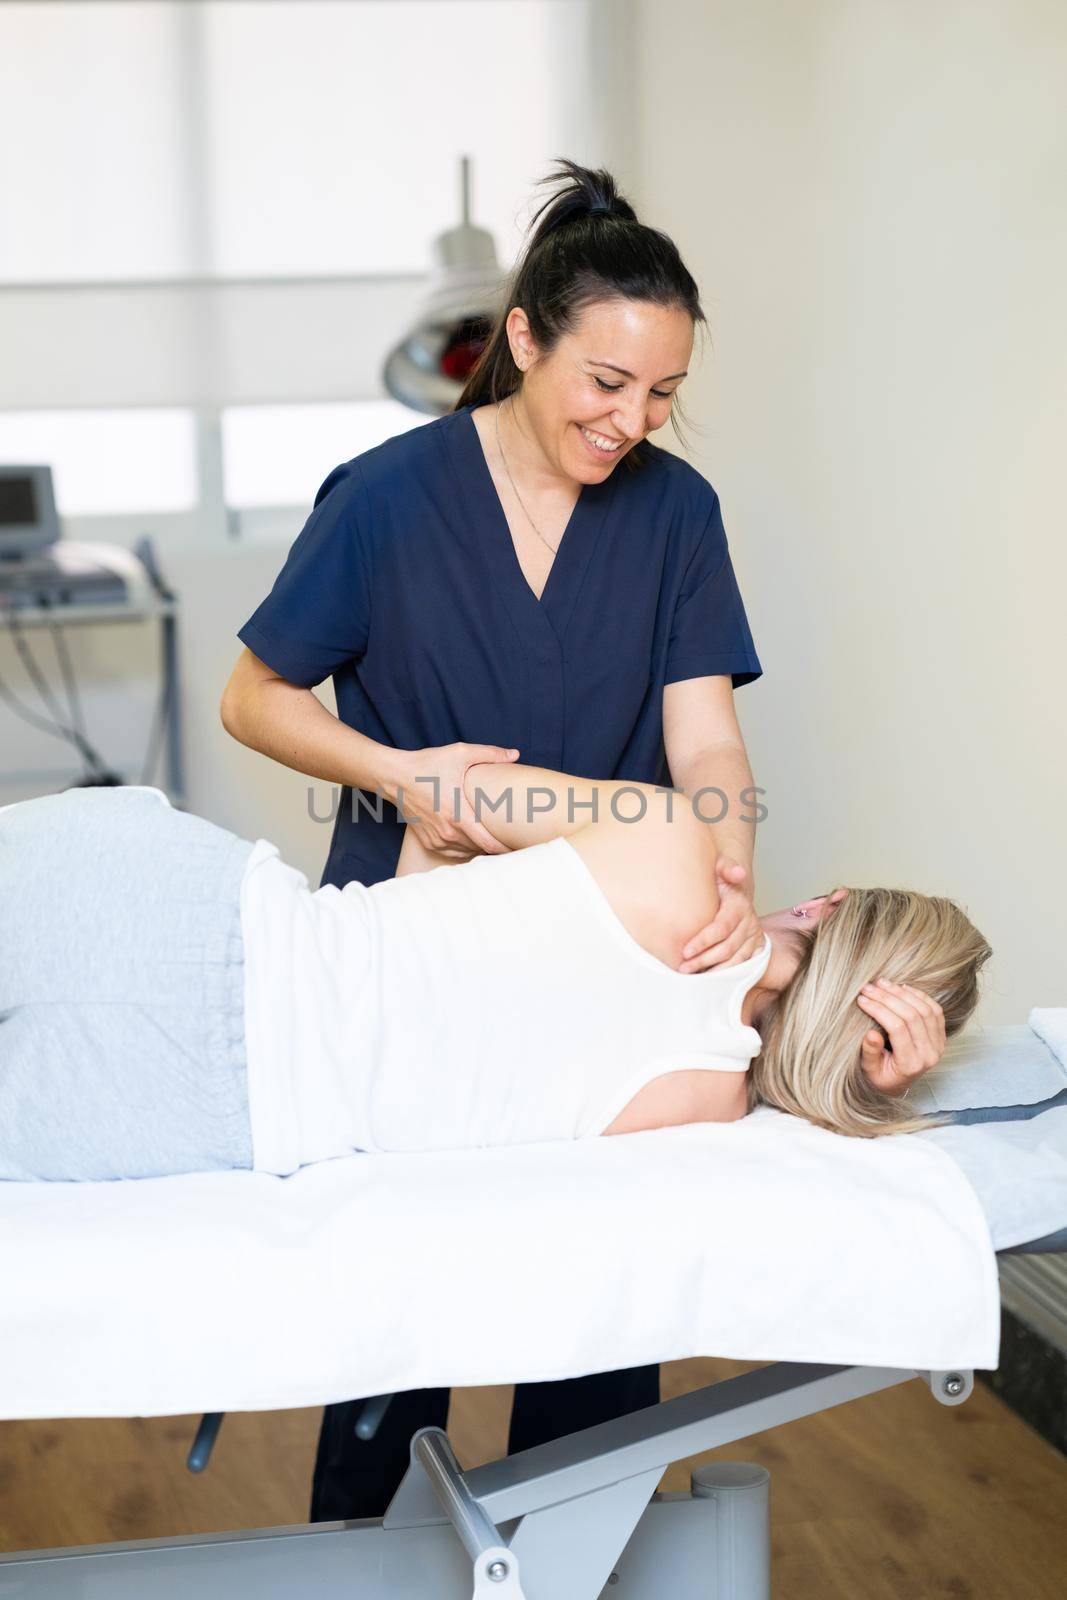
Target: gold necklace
[{"x": 553, "y": 547}]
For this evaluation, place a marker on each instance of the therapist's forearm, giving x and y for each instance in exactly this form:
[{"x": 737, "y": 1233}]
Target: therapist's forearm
[
  {"x": 293, "y": 727},
  {"x": 723, "y": 772}
]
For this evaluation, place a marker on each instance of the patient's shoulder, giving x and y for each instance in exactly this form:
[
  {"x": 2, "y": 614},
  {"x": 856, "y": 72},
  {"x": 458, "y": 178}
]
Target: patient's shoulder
[{"x": 658, "y": 874}]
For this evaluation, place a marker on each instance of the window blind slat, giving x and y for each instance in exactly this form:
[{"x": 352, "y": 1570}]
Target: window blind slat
[{"x": 200, "y": 345}]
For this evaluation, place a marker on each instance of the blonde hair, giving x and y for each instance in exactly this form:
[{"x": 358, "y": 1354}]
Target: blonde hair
[{"x": 810, "y": 1063}]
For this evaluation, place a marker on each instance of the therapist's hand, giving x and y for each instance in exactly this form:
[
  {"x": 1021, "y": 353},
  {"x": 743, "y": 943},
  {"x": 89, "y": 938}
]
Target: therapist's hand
[
  {"x": 450, "y": 829},
  {"x": 736, "y": 933}
]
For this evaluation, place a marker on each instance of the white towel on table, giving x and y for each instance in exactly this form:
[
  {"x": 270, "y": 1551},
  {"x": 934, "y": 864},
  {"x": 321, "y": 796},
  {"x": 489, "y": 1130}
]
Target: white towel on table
[{"x": 759, "y": 1240}]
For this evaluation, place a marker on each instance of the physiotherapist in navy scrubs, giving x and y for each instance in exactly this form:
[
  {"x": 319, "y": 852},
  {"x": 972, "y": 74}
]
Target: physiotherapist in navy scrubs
[{"x": 527, "y": 574}]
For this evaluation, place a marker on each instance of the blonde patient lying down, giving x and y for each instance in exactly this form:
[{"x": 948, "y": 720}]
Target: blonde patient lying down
[{"x": 175, "y": 999}]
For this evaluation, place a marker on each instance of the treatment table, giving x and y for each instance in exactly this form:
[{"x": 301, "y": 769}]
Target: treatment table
[{"x": 852, "y": 1265}]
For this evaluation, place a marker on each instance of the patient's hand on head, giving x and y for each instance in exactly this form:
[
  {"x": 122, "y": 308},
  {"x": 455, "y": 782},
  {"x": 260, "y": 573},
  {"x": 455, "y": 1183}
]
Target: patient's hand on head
[
  {"x": 819, "y": 1059},
  {"x": 910, "y": 1037},
  {"x": 915, "y": 1024}
]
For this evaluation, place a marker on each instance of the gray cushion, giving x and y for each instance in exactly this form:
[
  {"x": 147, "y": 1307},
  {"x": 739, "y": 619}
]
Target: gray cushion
[{"x": 1006, "y": 1066}]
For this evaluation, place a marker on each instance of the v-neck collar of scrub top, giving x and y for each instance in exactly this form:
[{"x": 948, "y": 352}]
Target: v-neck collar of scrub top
[{"x": 553, "y": 611}]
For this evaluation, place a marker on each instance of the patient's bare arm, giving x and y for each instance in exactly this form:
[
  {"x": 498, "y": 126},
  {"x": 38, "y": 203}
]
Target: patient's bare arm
[
  {"x": 523, "y": 805},
  {"x": 651, "y": 854},
  {"x": 518, "y": 805}
]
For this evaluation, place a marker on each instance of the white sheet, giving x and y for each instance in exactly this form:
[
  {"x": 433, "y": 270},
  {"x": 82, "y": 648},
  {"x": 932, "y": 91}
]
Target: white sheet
[
  {"x": 1018, "y": 1170},
  {"x": 765, "y": 1239}
]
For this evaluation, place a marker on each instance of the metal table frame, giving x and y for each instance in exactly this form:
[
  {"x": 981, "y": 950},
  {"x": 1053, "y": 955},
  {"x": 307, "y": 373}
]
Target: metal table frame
[
  {"x": 568, "y": 1520},
  {"x": 578, "y": 1518}
]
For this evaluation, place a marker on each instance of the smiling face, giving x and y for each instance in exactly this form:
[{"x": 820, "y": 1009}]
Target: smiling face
[{"x": 611, "y": 380}]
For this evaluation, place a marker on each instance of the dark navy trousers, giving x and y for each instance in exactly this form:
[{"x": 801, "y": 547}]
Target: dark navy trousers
[{"x": 358, "y": 1478}]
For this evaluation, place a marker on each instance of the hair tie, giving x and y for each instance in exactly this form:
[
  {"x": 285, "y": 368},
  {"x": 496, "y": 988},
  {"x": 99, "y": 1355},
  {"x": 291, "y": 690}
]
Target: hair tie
[{"x": 600, "y": 211}]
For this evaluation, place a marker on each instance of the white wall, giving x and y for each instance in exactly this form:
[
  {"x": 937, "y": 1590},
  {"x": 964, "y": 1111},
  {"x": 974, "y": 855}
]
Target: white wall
[{"x": 871, "y": 197}]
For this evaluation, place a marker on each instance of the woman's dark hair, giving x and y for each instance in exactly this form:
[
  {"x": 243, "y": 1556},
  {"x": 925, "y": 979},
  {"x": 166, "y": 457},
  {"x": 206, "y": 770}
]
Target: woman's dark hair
[{"x": 587, "y": 246}]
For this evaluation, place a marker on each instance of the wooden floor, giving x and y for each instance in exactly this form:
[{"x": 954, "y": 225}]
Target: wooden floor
[{"x": 893, "y": 1497}]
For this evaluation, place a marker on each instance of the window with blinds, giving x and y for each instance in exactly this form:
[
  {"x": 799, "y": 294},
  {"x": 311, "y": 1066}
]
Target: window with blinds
[{"x": 214, "y": 208}]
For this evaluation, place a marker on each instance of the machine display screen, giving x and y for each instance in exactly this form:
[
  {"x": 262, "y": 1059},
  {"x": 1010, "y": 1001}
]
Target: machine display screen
[{"x": 18, "y": 503}]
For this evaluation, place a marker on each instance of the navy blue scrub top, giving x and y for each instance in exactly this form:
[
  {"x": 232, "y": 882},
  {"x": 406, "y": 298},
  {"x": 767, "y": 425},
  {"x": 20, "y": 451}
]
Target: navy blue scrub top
[{"x": 405, "y": 586}]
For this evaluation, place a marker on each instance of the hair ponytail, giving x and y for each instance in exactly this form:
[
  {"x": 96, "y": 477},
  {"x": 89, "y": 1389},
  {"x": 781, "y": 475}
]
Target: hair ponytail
[{"x": 585, "y": 244}]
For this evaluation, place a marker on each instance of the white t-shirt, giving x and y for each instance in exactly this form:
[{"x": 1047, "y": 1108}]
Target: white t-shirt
[
  {"x": 309, "y": 1012},
  {"x": 498, "y": 1002}
]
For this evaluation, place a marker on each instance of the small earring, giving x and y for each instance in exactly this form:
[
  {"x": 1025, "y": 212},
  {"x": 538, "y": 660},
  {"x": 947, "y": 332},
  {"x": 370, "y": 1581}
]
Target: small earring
[{"x": 798, "y": 912}]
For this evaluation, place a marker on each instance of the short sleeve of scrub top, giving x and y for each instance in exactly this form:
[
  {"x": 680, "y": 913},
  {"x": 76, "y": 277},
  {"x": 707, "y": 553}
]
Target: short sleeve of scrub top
[
  {"x": 404, "y": 585},
  {"x": 317, "y": 614},
  {"x": 709, "y": 627}
]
